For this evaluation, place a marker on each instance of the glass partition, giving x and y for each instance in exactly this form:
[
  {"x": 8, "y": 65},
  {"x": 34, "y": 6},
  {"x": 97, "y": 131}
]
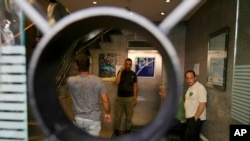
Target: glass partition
[
  {"x": 13, "y": 93},
  {"x": 241, "y": 74}
]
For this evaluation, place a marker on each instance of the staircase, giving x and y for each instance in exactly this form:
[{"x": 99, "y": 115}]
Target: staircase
[{"x": 67, "y": 68}]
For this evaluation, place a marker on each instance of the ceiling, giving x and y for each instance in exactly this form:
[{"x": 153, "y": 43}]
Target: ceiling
[{"x": 150, "y": 9}]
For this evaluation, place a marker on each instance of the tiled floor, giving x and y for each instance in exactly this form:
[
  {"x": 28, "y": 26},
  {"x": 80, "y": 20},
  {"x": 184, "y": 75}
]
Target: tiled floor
[
  {"x": 140, "y": 119},
  {"x": 35, "y": 133}
]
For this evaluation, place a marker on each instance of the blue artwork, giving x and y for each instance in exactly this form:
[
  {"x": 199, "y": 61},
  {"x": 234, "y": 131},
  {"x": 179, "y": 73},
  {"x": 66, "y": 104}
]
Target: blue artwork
[
  {"x": 144, "y": 66},
  {"x": 107, "y": 64}
]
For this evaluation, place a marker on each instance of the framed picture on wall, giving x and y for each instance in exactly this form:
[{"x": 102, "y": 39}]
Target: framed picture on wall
[
  {"x": 217, "y": 58},
  {"x": 145, "y": 66},
  {"x": 107, "y": 63}
]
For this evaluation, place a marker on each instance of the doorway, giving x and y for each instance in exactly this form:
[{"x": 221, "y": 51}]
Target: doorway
[{"x": 148, "y": 66}]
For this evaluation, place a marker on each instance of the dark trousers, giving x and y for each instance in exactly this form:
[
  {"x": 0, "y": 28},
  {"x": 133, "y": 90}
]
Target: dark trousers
[
  {"x": 177, "y": 130},
  {"x": 193, "y": 128}
]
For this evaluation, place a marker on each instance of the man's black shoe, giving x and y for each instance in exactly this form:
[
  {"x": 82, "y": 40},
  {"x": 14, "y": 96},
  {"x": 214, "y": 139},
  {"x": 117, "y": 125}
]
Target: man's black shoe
[
  {"x": 116, "y": 133},
  {"x": 127, "y": 131}
]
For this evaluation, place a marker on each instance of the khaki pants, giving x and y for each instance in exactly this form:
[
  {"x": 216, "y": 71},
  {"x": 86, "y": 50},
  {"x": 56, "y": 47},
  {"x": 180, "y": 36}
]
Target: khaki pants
[{"x": 123, "y": 105}]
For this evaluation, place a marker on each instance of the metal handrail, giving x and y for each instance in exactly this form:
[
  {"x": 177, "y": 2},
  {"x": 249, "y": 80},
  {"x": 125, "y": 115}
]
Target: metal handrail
[
  {"x": 95, "y": 39},
  {"x": 71, "y": 53},
  {"x": 66, "y": 69}
]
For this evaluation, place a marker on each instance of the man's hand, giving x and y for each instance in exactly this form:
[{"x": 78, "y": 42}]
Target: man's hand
[
  {"x": 107, "y": 118},
  {"x": 134, "y": 102},
  {"x": 162, "y": 94},
  {"x": 122, "y": 68}
]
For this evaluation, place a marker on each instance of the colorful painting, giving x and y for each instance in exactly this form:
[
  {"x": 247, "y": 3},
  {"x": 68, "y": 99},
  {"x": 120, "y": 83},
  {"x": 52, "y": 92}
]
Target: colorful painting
[
  {"x": 144, "y": 66},
  {"x": 107, "y": 62}
]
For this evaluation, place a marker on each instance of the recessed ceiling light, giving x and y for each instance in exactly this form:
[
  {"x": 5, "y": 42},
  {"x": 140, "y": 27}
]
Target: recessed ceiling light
[
  {"x": 94, "y": 2},
  {"x": 167, "y": 0},
  {"x": 162, "y": 13}
]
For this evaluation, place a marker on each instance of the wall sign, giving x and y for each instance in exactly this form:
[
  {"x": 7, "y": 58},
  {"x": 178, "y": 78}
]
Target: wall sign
[{"x": 217, "y": 58}]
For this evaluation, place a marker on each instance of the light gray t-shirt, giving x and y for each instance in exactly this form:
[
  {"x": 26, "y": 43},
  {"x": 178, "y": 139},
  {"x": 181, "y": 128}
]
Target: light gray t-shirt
[
  {"x": 195, "y": 95},
  {"x": 85, "y": 92}
]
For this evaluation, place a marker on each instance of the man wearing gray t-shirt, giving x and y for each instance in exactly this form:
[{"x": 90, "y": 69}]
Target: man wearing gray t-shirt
[{"x": 86, "y": 91}]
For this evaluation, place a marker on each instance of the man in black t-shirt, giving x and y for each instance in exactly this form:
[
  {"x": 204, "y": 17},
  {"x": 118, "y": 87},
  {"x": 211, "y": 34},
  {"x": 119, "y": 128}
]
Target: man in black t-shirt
[{"x": 126, "y": 80}]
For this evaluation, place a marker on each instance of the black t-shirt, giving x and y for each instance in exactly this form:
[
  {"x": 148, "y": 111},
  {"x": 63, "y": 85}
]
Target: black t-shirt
[{"x": 125, "y": 88}]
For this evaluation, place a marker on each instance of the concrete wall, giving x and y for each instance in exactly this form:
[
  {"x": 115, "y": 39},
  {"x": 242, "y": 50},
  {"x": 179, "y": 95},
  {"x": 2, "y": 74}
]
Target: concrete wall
[{"x": 212, "y": 16}]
